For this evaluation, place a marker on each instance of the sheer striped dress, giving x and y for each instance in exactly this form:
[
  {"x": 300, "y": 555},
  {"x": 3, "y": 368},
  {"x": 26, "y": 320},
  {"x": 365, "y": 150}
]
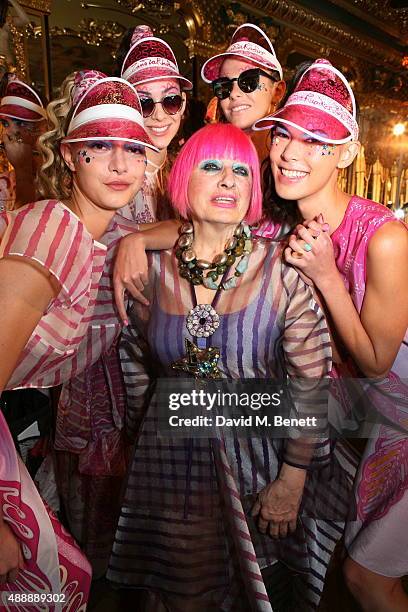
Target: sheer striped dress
[
  {"x": 185, "y": 529},
  {"x": 50, "y": 235},
  {"x": 79, "y": 325}
]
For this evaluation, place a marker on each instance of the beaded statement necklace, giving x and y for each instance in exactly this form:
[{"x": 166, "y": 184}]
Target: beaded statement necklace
[
  {"x": 203, "y": 272},
  {"x": 201, "y": 361}
]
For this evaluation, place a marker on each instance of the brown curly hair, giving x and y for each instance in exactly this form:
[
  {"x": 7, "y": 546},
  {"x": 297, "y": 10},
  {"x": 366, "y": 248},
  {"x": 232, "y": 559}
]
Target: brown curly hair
[{"x": 54, "y": 177}]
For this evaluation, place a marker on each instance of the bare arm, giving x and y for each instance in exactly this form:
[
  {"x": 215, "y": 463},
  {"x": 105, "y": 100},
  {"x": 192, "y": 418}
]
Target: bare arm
[
  {"x": 130, "y": 270},
  {"x": 25, "y": 292},
  {"x": 374, "y": 336}
]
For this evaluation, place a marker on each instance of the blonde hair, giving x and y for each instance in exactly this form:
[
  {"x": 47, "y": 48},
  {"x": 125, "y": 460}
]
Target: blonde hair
[{"x": 54, "y": 177}]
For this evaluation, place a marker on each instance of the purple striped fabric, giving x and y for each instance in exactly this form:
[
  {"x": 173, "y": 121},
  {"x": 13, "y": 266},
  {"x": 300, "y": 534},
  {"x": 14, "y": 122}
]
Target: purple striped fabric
[{"x": 185, "y": 528}]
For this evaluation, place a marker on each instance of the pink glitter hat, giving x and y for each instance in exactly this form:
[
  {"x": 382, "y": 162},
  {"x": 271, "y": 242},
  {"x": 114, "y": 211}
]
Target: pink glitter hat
[
  {"x": 321, "y": 104},
  {"x": 150, "y": 59},
  {"x": 248, "y": 43},
  {"x": 107, "y": 108},
  {"x": 21, "y": 102}
]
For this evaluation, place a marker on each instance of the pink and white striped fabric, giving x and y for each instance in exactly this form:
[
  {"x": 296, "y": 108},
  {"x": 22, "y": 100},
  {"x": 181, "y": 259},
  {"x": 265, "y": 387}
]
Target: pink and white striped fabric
[
  {"x": 53, "y": 564},
  {"x": 49, "y": 234},
  {"x": 79, "y": 324}
]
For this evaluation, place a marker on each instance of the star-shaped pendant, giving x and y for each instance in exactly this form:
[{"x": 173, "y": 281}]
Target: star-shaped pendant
[{"x": 200, "y": 363}]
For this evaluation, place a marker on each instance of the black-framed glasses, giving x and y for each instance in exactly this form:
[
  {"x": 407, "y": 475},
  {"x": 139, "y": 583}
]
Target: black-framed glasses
[
  {"x": 170, "y": 104},
  {"x": 247, "y": 81}
]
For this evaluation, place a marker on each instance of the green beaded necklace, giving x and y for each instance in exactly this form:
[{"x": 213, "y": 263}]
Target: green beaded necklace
[{"x": 202, "y": 272}]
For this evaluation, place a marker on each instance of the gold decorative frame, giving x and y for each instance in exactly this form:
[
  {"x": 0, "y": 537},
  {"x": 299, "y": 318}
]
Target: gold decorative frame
[{"x": 39, "y": 9}]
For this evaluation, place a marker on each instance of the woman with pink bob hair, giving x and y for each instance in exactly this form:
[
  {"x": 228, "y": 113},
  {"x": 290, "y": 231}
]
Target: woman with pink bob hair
[
  {"x": 212, "y": 142},
  {"x": 204, "y": 509}
]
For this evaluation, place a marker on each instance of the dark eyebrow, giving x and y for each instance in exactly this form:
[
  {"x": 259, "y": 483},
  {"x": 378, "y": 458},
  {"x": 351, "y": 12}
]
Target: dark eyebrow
[{"x": 146, "y": 93}]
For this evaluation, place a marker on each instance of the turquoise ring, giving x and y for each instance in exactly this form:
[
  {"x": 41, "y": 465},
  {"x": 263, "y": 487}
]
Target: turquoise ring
[{"x": 307, "y": 247}]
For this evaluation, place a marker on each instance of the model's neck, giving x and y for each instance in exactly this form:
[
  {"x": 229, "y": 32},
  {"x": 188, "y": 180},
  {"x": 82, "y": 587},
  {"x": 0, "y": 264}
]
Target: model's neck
[
  {"x": 95, "y": 218},
  {"x": 210, "y": 238}
]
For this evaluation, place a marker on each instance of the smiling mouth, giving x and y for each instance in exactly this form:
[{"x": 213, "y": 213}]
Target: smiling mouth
[
  {"x": 158, "y": 130},
  {"x": 239, "y": 109},
  {"x": 294, "y": 174}
]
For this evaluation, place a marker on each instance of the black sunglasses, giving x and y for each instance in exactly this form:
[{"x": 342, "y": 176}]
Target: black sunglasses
[
  {"x": 247, "y": 81},
  {"x": 170, "y": 104}
]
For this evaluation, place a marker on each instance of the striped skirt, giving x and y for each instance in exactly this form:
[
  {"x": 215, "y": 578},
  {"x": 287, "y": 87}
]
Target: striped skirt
[{"x": 186, "y": 531}]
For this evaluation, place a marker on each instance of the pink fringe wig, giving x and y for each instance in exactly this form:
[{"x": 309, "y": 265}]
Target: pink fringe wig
[{"x": 217, "y": 141}]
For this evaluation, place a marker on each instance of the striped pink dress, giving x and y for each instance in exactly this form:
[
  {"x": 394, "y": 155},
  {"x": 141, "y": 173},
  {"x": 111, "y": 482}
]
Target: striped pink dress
[{"x": 49, "y": 234}]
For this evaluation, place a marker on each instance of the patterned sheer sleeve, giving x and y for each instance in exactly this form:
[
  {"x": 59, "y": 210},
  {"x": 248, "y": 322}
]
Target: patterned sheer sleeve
[
  {"x": 307, "y": 355},
  {"x": 48, "y": 234},
  {"x": 135, "y": 361}
]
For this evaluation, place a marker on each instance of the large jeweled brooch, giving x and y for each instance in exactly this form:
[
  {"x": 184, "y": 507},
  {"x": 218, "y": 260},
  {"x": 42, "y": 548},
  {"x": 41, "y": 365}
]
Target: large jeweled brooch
[
  {"x": 202, "y": 321},
  {"x": 200, "y": 363}
]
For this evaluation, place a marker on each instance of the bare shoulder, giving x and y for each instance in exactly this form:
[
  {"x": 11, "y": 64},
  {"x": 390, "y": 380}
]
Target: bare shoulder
[{"x": 390, "y": 240}]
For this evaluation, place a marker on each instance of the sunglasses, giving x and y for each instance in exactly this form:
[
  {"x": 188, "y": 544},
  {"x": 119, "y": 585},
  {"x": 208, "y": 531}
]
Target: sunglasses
[
  {"x": 247, "y": 81},
  {"x": 170, "y": 104}
]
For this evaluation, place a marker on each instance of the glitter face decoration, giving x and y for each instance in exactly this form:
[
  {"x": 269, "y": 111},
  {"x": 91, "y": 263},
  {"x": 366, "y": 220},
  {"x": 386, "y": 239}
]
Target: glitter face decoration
[
  {"x": 328, "y": 149},
  {"x": 84, "y": 155},
  {"x": 107, "y": 173}
]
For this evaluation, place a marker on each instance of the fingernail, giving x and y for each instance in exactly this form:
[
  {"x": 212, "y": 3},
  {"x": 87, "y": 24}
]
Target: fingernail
[
  {"x": 125, "y": 322},
  {"x": 326, "y": 227}
]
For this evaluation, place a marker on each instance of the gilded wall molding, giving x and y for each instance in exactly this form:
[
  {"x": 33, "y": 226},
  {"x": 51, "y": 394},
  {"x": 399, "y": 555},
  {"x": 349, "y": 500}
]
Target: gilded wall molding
[
  {"x": 43, "y": 6},
  {"x": 20, "y": 66},
  {"x": 378, "y": 13},
  {"x": 201, "y": 48},
  {"x": 286, "y": 12},
  {"x": 93, "y": 32}
]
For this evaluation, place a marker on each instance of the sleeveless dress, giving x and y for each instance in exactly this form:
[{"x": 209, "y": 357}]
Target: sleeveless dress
[
  {"x": 185, "y": 529},
  {"x": 48, "y": 233},
  {"x": 377, "y": 539}
]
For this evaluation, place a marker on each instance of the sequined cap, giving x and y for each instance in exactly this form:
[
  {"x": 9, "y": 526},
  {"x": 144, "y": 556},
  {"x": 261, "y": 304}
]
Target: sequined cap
[
  {"x": 151, "y": 59},
  {"x": 21, "y": 102},
  {"x": 248, "y": 43},
  {"x": 107, "y": 108},
  {"x": 321, "y": 105},
  {"x": 83, "y": 81}
]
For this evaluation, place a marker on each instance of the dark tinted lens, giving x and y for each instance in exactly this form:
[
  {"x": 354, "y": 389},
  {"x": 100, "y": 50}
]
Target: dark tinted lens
[
  {"x": 222, "y": 88},
  {"x": 172, "y": 104},
  {"x": 248, "y": 80},
  {"x": 147, "y": 105}
]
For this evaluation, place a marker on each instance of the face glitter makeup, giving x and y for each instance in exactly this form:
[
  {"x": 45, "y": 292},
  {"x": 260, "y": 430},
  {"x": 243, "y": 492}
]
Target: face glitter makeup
[{"x": 328, "y": 149}]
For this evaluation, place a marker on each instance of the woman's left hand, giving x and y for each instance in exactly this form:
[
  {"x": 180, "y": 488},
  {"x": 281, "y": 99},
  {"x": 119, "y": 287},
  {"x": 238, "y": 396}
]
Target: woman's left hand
[
  {"x": 311, "y": 251},
  {"x": 277, "y": 506}
]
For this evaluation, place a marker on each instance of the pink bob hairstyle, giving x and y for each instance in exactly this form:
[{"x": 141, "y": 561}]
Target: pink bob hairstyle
[{"x": 216, "y": 141}]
